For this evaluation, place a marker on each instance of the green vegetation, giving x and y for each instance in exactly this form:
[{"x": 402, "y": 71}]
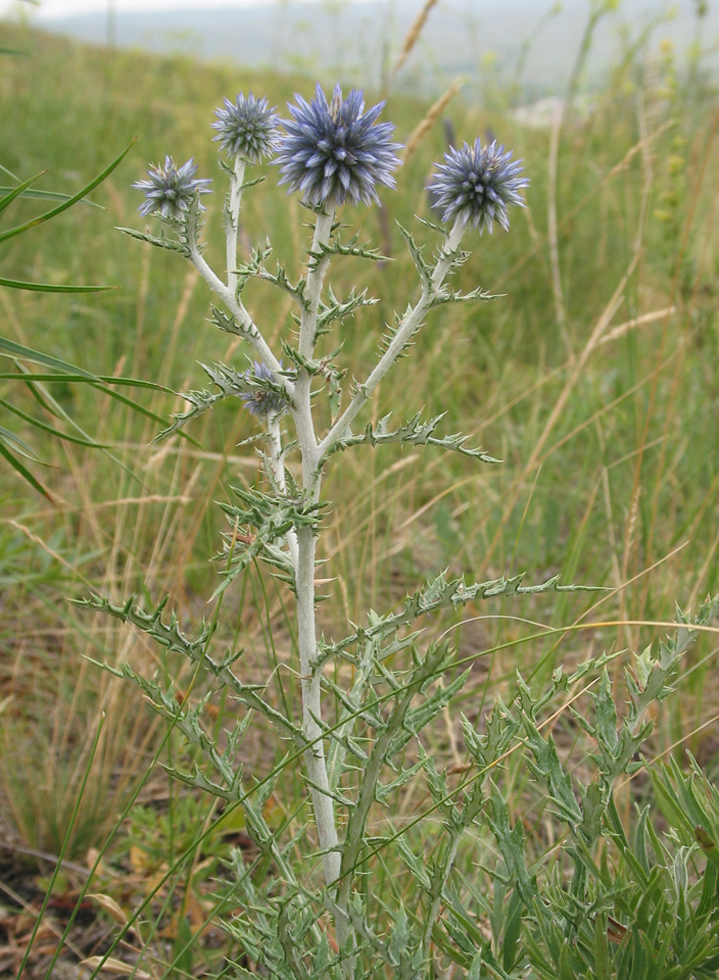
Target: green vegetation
[{"x": 595, "y": 379}]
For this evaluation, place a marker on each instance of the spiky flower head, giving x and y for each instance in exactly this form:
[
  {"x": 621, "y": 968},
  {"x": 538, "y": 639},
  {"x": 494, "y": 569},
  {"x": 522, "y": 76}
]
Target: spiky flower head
[
  {"x": 477, "y": 184},
  {"x": 265, "y": 396},
  {"x": 246, "y": 127},
  {"x": 335, "y": 152},
  {"x": 170, "y": 190}
]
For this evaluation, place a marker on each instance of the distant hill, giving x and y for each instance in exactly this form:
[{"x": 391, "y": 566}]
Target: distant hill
[{"x": 482, "y": 39}]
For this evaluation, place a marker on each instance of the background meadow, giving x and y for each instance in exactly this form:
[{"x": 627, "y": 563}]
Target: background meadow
[{"x": 594, "y": 376}]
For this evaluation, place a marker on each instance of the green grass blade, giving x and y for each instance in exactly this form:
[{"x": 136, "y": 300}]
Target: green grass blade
[
  {"x": 45, "y": 287},
  {"x": 136, "y": 406},
  {"x": 37, "y": 195},
  {"x": 61, "y": 855},
  {"x": 54, "y": 408},
  {"x": 109, "y": 379},
  {"x": 103, "y": 383},
  {"x": 24, "y": 471},
  {"x": 36, "y": 423},
  {"x": 19, "y": 229},
  {"x": 20, "y": 444},
  {"x": 13, "y": 349},
  {"x": 11, "y": 193}
]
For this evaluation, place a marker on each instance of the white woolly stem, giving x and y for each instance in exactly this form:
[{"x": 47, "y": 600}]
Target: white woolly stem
[
  {"x": 277, "y": 463},
  {"x": 311, "y": 704},
  {"x": 232, "y": 215},
  {"x": 315, "y": 278},
  {"x": 250, "y": 329},
  {"x": 302, "y": 409},
  {"x": 409, "y": 324},
  {"x": 311, "y": 676},
  {"x": 302, "y": 542}
]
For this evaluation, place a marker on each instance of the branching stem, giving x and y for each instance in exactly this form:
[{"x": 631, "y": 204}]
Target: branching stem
[
  {"x": 411, "y": 321},
  {"x": 237, "y": 309},
  {"x": 311, "y": 674}
]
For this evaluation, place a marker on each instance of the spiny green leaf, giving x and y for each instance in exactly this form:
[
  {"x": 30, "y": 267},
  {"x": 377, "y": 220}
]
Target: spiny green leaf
[
  {"x": 350, "y": 247},
  {"x": 172, "y": 638},
  {"x": 415, "y": 250},
  {"x": 159, "y": 241},
  {"x": 271, "y": 519},
  {"x": 510, "y": 841},
  {"x": 414, "y": 432},
  {"x": 443, "y": 593}
]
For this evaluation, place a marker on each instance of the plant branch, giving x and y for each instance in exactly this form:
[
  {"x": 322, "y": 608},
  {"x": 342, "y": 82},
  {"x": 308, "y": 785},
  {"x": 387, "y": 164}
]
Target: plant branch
[{"x": 411, "y": 322}]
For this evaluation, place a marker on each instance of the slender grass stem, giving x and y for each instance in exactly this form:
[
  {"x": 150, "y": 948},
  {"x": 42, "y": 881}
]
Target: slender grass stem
[{"x": 61, "y": 855}]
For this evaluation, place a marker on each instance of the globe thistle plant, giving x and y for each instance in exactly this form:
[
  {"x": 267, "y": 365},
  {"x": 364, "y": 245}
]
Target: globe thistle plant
[
  {"x": 332, "y": 153},
  {"x": 350, "y": 730},
  {"x": 170, "y": 190},
  {"x": 357, "y": 709},
  {"x": 335, "y": 153},
  {"x": 476, "y": 185},
  {"x": 246, "y": 127}
]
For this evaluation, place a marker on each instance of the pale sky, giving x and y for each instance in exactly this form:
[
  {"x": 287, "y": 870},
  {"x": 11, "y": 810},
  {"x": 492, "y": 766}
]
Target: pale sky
[{"x": 60, "y": 8}]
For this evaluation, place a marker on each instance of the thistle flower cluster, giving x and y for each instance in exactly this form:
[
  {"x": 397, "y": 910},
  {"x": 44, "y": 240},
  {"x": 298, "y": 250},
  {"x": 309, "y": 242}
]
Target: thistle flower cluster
[
  {"x": 246, "y": 127},
  {"x": 476, "y": 184},
  {"x": 170, "y": 190},
  {"x": 335, "y": 152}
]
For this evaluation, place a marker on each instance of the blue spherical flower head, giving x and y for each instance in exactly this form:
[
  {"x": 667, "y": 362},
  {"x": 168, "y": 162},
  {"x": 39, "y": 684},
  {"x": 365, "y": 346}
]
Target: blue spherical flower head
[
  {"x": 170, "y": 190},
  {"x": 477, "y": 184},
  {"x": 246, "y": 127},
  {"x": 336, "y": 153},
  {"x": 265, "y": 397}
]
